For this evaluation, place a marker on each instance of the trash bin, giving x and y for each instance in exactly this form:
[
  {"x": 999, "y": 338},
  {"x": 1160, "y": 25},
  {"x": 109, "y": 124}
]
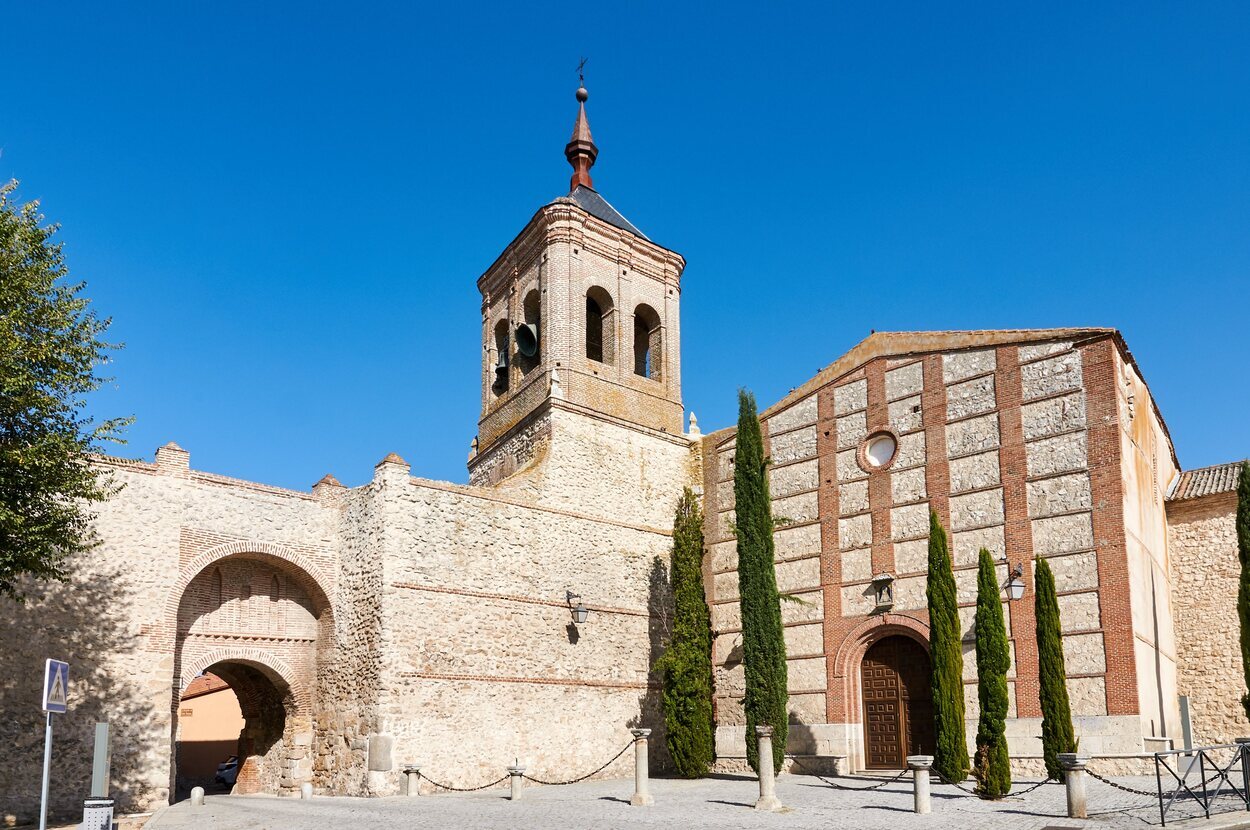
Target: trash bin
[{"x": 97, "y": 814}]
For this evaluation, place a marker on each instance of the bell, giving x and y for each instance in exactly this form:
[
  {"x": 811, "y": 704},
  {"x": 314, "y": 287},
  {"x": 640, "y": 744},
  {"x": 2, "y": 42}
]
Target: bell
[{"x": 527, "y": 339}]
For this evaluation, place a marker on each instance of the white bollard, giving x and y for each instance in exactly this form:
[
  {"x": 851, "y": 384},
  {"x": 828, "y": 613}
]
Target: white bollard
[
  {"x": 516, "y": 771},
  {"x": 642, "y": 772},
  {"x": 1074, "y": 775},
  {"x": 305, "y": 791},
  {"x": 412, "y": 772},
  {"x": 197, "y": 796},
  {"x": 768, "y": 784},
  {"x": 920, "y": 766}
]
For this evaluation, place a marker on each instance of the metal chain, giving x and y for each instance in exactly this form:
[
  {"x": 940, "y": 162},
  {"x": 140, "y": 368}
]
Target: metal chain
[
  {"x": 1028, "y": 790},
  {"x": 1121, "y": 787},
  {"x": 462, "y": 789},
  {"x": 957, "y": 786},
  {"x": 877, "y": 786},
  {"x": 582, "y": 778}
]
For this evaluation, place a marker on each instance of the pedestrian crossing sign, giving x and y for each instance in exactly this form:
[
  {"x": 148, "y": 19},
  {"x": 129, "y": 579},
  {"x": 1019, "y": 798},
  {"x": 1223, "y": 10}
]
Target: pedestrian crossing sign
[{"x": 56, "y": 687}]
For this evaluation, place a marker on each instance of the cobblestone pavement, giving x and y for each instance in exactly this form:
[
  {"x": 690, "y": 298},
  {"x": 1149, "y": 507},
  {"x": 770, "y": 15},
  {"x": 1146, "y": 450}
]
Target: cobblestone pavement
[{"x": 720, "y": 802}]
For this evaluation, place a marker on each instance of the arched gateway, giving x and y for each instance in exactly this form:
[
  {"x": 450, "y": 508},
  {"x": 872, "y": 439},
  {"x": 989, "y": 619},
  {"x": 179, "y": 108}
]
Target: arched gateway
[
  {"x": 898, "y": 704},
  {"x": 260, "y": 623}
]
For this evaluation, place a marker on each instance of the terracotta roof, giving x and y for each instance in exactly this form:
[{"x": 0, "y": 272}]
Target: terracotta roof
[
  {"x": 203, "y": 685},
  {"x": 1207, "y": 481}
]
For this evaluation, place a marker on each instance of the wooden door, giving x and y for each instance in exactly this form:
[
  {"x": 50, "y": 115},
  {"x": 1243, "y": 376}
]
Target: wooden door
[{"x": 898, "y": 705}]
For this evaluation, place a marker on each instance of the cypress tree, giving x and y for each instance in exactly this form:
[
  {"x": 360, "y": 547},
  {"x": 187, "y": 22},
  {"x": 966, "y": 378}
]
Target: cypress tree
[
  {"x": 1243, "y": 592},
  {"x": 686, "y": 667},
  {"x": 950, "y": 757},
  {"x": 993, "y": 765},
  {"x": 763, "y": 646},
  {"x": 1057, "y": 733}
]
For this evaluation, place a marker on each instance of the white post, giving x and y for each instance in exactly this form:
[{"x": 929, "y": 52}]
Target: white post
[
  {"x": 47, "y": 767},
  {"x": 1074, "y": 774},
  {"x": 413, "y": 773},
  {"x": 920, "y": 766},
  {"x": 197, "y": 796},
  {"x": 642, "y": 772},
  {"x": 305, "y": 791},
  {"x": 768, "y": 785},
  {"x": 516, "y": 771}
]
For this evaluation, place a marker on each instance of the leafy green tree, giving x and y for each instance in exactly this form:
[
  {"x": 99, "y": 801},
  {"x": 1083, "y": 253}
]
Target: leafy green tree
[
  {"x": 1057, "y": 732},
  {"x": 763, "y": 646},
  {"x": 686, "y": 666},
  {"x": 993, "y": 764},
  {"x": 950, "y": 757},
  {"x": 1243, "y": 592},
  {"x": 51, "y": 350}
]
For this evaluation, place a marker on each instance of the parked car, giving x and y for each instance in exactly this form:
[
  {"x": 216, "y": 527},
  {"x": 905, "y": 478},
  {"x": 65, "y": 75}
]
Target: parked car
[{"x": 228, "y": 771}]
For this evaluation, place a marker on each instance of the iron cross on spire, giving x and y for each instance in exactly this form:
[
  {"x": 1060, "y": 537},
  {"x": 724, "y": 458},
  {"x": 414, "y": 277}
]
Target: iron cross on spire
[{"x": 581, "y": 71}]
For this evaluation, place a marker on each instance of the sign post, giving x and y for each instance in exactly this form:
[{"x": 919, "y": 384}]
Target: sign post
[{"x": 55, "y": 701}]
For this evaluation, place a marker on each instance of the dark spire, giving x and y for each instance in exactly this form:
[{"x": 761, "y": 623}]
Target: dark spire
[{"x": 581, "y": 150}]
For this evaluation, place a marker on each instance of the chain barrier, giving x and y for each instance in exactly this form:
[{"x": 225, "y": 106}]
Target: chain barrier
[
  {"x": 494, "y": 783},
  {"x": 1151, "y": 794},
  {"x": 1030, "y": 789},
  {"x": 581, "y": 778},
  {"x": 815, "y": 774},
  {"x": 957, "y": 786}
]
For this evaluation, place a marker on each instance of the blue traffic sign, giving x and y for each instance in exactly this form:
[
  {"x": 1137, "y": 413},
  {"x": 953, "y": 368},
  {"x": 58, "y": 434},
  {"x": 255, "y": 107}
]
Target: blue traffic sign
[{"x": 56, "y": 687}]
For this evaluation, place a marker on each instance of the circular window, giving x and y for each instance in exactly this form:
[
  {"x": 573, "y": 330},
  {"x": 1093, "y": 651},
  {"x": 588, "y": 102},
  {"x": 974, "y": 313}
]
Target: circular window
[{"x": 879, "y": 450}]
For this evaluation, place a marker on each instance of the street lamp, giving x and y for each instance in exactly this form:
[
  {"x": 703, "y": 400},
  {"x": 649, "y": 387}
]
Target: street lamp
[
  {"x": 1015, "y": 582},
  {"x": 579, "y": 611}
]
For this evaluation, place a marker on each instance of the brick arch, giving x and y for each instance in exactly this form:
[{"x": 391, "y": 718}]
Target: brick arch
[
  {"x": 269, "y": 664},
  {"x": 856, "y": 643},
  {"x": 307, "y": 573}
]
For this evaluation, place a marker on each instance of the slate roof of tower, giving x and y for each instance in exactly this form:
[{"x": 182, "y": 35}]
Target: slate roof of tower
[
  {"x": 1207, "y": 481},
  {"x": 590, "y": 201}
]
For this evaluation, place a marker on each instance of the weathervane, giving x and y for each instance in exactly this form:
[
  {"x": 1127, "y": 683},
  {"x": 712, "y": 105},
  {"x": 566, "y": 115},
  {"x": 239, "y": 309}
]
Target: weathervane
[{"x": 581, "y": 71}]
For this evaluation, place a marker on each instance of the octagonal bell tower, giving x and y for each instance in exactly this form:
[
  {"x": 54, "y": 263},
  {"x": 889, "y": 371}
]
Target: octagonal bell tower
[{"x": 580, "y": 317}]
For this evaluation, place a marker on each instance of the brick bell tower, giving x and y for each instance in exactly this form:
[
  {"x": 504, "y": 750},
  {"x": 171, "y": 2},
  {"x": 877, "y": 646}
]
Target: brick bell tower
[{"x": 580, "y": 317}]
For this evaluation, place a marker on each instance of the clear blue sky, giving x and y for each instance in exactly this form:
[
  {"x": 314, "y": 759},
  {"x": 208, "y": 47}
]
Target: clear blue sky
[{"x": 285, "y": 208}]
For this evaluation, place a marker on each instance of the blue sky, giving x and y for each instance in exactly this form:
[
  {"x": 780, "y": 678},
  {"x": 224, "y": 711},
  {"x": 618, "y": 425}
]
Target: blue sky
[{"x": 285, "y": 207}]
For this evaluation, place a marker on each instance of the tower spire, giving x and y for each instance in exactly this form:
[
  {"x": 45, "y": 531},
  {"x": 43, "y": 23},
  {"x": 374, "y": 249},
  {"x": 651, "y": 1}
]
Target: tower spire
[{"x": 581, "y": 150}]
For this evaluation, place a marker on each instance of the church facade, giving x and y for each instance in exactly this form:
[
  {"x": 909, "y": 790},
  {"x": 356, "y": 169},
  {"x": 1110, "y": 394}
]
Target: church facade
[{"x": 409, "y": 621}]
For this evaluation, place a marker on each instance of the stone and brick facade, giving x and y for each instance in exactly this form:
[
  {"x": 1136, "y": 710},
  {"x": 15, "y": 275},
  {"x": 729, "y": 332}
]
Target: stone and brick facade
[{"x": 409, "y": 620}]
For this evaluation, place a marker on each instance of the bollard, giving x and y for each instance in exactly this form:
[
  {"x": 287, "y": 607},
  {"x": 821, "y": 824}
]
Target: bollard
[
  {"x": 920, "y": 766},
  {"x": 768, "y": 785},
  {"x": 642, "y": 772},
  {"x": 412, "y": 772},
  {"x": 305, "y": 791},
  {"x": 516, "y": 771},
  {"x": 197, "y": 796},
  {"x": 1074, "y": 773}
]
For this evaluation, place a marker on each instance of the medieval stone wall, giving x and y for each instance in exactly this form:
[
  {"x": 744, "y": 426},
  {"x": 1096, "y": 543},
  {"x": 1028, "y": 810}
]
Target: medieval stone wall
[{"x": 1205, "y": 576}]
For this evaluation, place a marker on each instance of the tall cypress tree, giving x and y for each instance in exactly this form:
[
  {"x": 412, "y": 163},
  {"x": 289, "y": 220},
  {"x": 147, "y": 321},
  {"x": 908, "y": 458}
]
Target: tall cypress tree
[
  {"x": 763, "y": 646},
  {"x": 1243, "y": 593},
  {"x": 950, "y": 756},
  {"x": 993, "y": 765},
  {"x": 686, "y": 667},
  {"x": 1057, "y": 732}
]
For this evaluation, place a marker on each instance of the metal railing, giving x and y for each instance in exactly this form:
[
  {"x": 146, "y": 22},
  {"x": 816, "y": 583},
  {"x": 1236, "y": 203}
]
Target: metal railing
[{"x": 1224, "y": 765}]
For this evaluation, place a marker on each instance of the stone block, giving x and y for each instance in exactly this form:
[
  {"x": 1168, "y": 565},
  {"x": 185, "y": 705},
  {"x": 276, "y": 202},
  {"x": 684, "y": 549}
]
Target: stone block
[
  {"x": 1063, "y": 534},
  {"x": 1079, "y": 612},
  {"x": 793, "y": 576},
  {"x": 852, "y": 429},
  {"x": 848, "y": 467},
  {"x": 799, "y": 414},
  {"x": 790, "y": 542},
  {"x": 853, "y": 497},
  {"x": 975, "y": 472},
  {"x": 966, "y": 546},
  {"x": 857, "y": 565},
  {"x": 380, "y": 747},
  {"x": 959, "y": 365},
  {"x": 906, "y": 415},
  {"x": 1087, "y": 696},
  {"x": 855, "y": 532},
  {"x": 1083, "y": 654},
  {"x": 909, "y": 593},
  {"x": 910, "y": 451},
  {"x": 911, "y": 557},
  {"x": 1074, "y": 572},
  {"x": 976, "y": 509},
  {"x": 1055, "y": 374},
  {"x": 850, "y": 397},
  {"x": 1053, "y": 416},
  {"x": 793, "y": 478},
  {"x": 904, "y": 381},
  {"x": 972, "y": 436},
  {"x": 1063, "y": 494},
  {"x": 792, "y": 446},
  {"x": 1058, "y": 454},
  {"x": 908, "y": 486},
  {"x": 909, "y": 522},
  {"x": 1035, "y": 351},
  {"x": 971, "y": 397},
  {"x": 795, "y": 509}
]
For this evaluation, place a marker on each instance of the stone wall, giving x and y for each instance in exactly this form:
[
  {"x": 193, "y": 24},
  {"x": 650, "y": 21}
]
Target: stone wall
[{"x": 1205, "y": 572}]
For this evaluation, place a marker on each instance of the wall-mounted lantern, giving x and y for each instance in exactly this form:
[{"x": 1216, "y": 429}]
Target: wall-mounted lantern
[
  {"x": 883, "y": 591},
  {"x": 580, "y": 612},
  {"x": 1015, "y": 581}
]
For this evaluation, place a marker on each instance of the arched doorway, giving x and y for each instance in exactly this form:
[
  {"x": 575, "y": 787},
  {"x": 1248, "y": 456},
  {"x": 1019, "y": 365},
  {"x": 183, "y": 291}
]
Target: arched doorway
[
  {"x": 259, "y": 623},
  {"x": 898, "y": 703}
]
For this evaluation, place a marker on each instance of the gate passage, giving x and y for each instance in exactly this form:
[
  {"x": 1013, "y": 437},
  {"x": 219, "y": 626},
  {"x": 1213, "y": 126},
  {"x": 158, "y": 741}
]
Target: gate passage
[{"x": 898, "y": 704}]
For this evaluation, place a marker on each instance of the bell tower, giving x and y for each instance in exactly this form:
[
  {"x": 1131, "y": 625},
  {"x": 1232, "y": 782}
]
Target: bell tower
[{"x": 580, "y": 315}]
